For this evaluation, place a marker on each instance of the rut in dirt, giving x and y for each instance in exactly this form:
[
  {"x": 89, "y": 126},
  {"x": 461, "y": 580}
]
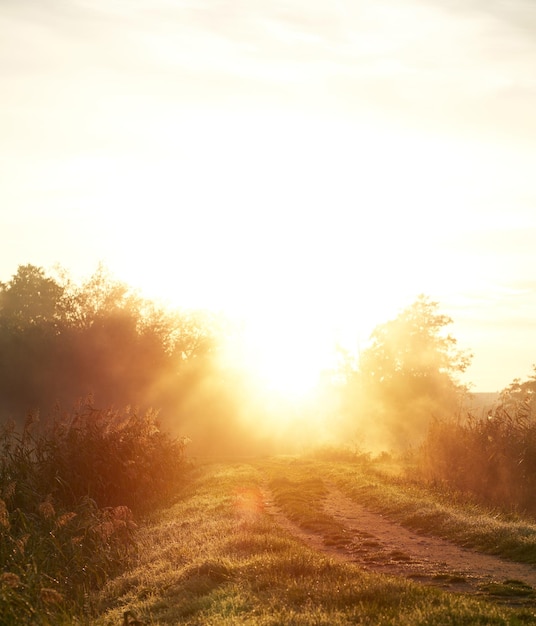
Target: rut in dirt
[{"x": 379, "y": 545}]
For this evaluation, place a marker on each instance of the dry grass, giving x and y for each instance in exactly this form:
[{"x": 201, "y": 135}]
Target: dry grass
[{"x": 493, "y": 458}]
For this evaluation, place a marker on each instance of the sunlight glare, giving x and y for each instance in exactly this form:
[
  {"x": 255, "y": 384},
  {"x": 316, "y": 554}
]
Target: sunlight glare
[
  {"x": 311, "y": 232},
  {"x": 283, "y": 359}
]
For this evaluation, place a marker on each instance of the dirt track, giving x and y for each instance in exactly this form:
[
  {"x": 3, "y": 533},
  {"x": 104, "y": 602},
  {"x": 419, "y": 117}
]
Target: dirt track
[{"x": 377, "y": 544}]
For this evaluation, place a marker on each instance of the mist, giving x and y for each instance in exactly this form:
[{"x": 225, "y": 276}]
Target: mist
[{"x": 100, "y": 343}]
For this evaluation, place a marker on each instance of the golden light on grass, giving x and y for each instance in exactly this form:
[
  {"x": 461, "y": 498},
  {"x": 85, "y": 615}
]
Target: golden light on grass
[{"x": 248, "y": 504}]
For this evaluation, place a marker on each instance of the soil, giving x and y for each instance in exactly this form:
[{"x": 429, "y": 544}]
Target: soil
[{"x": 377, "y": 544}]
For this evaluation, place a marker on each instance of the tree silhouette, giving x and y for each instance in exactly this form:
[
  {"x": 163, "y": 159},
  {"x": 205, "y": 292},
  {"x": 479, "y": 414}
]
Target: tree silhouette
[
  {"x": 61, "y": 341},
  {"x": 517, "y": 402},
  {"x": 29, "y": 299},
  {"x": 409, "y": 374}
]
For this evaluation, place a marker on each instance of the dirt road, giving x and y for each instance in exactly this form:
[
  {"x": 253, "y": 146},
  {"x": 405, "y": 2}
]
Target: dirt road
[{"x": 380, "y": 545}]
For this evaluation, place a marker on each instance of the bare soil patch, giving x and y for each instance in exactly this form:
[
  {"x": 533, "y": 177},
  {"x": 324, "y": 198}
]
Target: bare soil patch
[{"x": 378, "y": 544}]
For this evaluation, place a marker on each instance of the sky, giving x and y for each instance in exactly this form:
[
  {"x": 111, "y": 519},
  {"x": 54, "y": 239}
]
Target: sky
[{"x": 312, "y": 166}]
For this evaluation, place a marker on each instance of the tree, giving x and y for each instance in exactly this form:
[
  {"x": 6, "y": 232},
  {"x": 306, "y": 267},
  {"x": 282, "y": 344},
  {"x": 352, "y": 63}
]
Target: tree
[
  {"x": 408, "y": 374},
  {"x": 517, "y": 402},
  {"x": 30, "y": 298},
  {"x": 61, "y": 341}
]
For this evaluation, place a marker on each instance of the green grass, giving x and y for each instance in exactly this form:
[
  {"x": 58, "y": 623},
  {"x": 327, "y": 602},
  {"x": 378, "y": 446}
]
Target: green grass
[
  {"x": 437, "y": 512},
  {"x": 217, "y": 555},
  {"x": 218, "y": 558}
]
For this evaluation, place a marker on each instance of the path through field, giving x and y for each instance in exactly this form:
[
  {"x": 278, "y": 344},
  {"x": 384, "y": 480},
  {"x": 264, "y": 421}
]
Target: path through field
[{"x": 380, "y": 545}]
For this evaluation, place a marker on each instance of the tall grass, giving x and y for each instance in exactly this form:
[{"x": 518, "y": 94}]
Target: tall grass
[
  {"x": 68, "y": 495},
  {"x": 493, "y": 458}
]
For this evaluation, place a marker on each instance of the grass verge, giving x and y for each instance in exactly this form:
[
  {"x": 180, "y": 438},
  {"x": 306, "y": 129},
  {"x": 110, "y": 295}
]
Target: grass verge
[
  {"x": 437, "y": 512},
  {"x": 217, "y": 557}
]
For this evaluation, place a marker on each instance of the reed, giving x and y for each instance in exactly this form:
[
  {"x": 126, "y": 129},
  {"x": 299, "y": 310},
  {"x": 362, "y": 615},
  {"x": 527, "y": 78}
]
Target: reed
[{"x": 69, "y": 493}]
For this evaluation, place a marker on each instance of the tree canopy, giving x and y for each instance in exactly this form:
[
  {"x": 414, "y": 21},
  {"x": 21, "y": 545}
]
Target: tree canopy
[
  {"x": 30, "y": 298},
  {"x": 517, "y": 402},
  {"x": 61, "y": 341},
  {"x": 408, "y": 374}
]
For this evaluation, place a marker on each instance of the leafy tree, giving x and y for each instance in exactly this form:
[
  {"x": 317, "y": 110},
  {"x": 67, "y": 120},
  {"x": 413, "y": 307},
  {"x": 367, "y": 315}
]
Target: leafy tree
[
  {"x": 98, "y": 298},
  {"x": 61, "y": 341},
  {"x": 409, "y": 374},
  {"x": 29, "y": 299}
]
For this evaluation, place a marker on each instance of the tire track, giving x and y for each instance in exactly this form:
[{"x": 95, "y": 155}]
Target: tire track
[{"x": 379, "y": 545}]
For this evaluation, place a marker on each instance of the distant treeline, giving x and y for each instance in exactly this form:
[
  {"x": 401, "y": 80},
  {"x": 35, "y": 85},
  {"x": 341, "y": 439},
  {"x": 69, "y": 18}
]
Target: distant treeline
[{"x": 62, "y": 342}]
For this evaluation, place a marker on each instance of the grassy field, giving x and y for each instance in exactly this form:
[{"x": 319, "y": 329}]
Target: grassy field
[{"x": 217, "y": 556}]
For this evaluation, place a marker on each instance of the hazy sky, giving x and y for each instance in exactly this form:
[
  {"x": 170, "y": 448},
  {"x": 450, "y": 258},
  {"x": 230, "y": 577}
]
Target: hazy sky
[{"x": 314, "y": 164}]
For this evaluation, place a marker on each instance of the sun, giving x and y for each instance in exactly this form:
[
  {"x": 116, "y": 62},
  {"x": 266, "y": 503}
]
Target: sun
[
  {"x": 284, "y": 367},
  {"x": 285, "y": 358}
]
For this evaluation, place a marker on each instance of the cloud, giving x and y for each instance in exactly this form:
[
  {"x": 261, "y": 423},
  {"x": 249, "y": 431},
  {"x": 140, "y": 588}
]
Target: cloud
[
  {"x": 435, "y": 63},
  {"x": 518, "y": 14}
]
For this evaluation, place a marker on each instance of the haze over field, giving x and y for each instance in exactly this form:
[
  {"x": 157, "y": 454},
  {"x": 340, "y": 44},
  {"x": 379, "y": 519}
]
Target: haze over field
[{"x": 309, "y": 166}]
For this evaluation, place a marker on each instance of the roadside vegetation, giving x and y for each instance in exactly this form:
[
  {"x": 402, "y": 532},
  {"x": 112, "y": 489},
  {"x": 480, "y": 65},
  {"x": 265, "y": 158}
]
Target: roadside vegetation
[
  {"x": 102, "y": 512},
  {"x": 387, "y": 486},
  {"x": 404, "y": 396},
  {"x": 70, "y": 493},
  {"x": 492, "y": 457},
  {"x": 217, "y": 557}
]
